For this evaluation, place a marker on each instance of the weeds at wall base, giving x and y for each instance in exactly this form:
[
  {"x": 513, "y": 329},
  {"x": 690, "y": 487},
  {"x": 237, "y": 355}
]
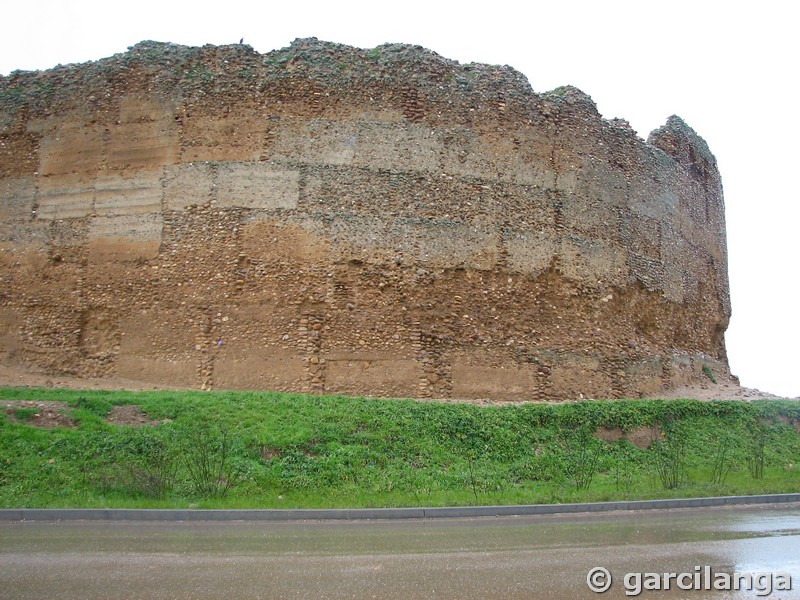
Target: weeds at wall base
[{"x": 264, "y": 450}]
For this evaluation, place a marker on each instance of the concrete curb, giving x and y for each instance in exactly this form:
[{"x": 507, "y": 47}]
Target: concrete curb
[{"x": 304, "y": 514}]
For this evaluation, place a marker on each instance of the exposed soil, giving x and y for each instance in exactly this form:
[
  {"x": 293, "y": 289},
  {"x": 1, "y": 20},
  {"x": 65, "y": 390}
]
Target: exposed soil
[
  {"x": 19, "y": 377},
  {"x": 130, "y": 415},
  {"x": 641, "y": 437},
  {"x": 718, "y": 391},
  {"x": 791, "y": 422},
  {"x": 51, "y": 413},
  {"x": 15, "y": 377},
  {"x": 48, "y": 414}
]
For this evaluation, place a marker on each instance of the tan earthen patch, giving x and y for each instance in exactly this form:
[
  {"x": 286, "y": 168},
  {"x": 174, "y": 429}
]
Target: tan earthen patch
[
  {"x": 129, "y": 414},
  {"x": 48, "y": 415},
  {"x": 643, "y": 437},
  {"x": 609, "y": 434}
]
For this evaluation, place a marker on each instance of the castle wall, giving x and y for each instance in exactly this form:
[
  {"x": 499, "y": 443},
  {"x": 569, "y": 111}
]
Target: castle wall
[{"x": 328, "y": 219}]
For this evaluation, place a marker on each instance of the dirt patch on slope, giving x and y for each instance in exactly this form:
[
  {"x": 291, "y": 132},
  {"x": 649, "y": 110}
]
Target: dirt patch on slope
[
  {"x": 45, "y": 414},
  {"x": 48, "y": 414},
  {"x": 129, "y": 414},
  {"x": 641, "y": 437}
]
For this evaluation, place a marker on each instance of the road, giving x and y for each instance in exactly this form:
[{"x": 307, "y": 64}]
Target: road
[{"x": 495, "y": 558}]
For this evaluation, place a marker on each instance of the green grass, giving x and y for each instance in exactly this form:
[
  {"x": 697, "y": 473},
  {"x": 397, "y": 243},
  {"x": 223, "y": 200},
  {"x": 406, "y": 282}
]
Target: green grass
[
  {"x": 24, "y": 414},
  {"x": 272, "y": 450}
]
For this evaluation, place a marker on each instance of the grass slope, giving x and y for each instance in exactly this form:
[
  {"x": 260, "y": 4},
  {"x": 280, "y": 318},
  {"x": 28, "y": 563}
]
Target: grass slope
[{"x": 272, "y": 450}]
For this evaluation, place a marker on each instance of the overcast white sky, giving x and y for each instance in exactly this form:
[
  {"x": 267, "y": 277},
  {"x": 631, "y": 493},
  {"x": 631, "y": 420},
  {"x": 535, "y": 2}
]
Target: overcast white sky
[{"x": 728, "y": 69}]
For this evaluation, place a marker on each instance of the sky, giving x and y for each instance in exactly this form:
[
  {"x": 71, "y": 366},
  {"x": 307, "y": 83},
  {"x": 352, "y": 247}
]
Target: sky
[{"x": 725, "y": 68}]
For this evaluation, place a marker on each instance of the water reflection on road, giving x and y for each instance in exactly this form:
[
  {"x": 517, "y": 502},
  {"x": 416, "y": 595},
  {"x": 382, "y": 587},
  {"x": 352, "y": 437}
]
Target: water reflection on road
[{"x": 508, "y": 558}]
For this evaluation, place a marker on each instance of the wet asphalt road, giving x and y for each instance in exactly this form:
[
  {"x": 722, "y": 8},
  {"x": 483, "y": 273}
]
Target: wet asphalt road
[{"x": 494, "y": 558}]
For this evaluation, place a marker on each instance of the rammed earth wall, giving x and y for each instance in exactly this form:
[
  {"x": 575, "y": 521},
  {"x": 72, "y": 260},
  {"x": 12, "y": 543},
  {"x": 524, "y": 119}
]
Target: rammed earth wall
[{"x": 324, "y": 218}]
